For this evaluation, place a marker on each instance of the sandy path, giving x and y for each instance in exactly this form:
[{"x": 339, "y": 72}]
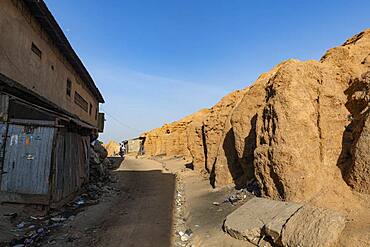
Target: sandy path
[
  {"x": 145, "y": 219},
  {"x": 202, "y": 217},
  {"x": 140, "y": 216}
]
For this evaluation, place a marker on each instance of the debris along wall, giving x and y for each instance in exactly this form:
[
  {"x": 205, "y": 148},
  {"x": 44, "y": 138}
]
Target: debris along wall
[
  {"x": 299, "y": 130},
  {"x": 99, "y": 163}
]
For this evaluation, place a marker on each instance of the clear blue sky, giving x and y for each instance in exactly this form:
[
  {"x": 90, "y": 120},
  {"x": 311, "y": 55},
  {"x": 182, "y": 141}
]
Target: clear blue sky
[{"x": 156, "y": 61}]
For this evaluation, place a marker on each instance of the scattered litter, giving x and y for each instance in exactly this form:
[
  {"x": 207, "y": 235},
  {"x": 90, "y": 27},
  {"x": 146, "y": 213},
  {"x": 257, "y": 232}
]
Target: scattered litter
[
  {"x": 185, "y": 236},
  {"x": 52, "y": 242},
  {"x": 189, "y": 232},
  {"x": 58, "y": 219},
  {"x": 20, "y": 225},
  {"x": 31, "y": 227},
  {"x": 253, "y": 188},
  {"x": 80, "y": 202},
  {"x": 33, "y": 230},
  {"x": 238, "y": 196},
  {"x": 11, "y": 215},
  {"x": 216, "y": 203}
]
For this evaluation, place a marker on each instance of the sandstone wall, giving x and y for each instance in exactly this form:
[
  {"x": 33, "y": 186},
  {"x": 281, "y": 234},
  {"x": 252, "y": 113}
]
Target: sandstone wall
[
  {"x": 301, "y": 127},
  {"x": 301, "y": 131},
  {"x": 219, "y": 140},
  {"x": 171, "y": 139},
  {"x": 356, "y": 162},
  {"x": 112, "y": 148}
]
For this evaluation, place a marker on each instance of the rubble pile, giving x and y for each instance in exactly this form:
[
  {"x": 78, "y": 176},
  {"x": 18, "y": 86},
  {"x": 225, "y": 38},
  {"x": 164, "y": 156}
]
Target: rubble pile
[
  {"x": 240, "y": 196},
  {"x": 99, "y": 163},
  {"x": 37, "y": 230},
  {"x": 182, "y": 234}
]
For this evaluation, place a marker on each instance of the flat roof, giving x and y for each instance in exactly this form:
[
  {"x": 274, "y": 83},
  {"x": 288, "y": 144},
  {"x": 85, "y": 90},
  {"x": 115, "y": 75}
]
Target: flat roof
[{"x": 47, "y": 21}]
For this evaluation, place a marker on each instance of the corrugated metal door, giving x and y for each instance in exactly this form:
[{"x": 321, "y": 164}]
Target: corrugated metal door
[
  {"x": 4, "y": 106},
  {"x": 27, "y": 160},
  {"x": 2, "y": 143}
]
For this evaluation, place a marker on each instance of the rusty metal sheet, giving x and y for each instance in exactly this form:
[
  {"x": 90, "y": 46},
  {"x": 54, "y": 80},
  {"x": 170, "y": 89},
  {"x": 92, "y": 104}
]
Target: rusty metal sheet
[
  {"x": 3, "y": 127},
  {"x": 27, "y": 159},
  {"x": 71, "y": 158},
  {"x": 4, "y": 106}
]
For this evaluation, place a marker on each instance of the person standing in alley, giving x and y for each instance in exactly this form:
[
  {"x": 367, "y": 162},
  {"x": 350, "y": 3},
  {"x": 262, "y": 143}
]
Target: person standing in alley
[{"x": 121, "y": 149}]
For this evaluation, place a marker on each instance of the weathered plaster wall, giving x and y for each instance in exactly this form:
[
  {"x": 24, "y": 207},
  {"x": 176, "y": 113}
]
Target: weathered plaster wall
[{"x": 46, "y": 76}]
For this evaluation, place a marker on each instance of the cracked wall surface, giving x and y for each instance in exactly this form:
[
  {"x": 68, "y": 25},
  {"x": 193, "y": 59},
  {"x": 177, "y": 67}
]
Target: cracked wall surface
[{"x": 300, "y": 131}]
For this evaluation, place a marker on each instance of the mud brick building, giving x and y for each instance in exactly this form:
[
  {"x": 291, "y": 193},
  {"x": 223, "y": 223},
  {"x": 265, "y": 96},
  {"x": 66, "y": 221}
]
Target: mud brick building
[{"x": 49, "y": 108}]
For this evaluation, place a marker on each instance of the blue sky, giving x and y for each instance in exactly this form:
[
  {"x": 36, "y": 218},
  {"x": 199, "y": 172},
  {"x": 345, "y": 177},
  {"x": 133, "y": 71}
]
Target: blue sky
[{"x": 156, "y": 61}]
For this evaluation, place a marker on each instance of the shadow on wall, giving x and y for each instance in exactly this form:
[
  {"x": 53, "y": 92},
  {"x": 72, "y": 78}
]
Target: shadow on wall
[
  {"x": 241, "y": 170},
  {"x": 233, "y": 163},
  {"x": 250, "y": 144},
  {"x": 352, "y": 132},
  {"x": 205, "y": 148}
]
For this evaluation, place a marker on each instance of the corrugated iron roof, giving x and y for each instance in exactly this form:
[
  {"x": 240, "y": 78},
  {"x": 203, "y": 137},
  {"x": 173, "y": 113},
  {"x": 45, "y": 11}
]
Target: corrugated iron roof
[{"x": 47, "y": 21}]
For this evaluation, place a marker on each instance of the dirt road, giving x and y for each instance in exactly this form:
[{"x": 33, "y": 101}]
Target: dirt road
[
  {"x": 203, "y": 217},
  {"x": 145, "y": 218},
  {"x": 140, "y": 216},
  {"x": 142, "y": 209}
]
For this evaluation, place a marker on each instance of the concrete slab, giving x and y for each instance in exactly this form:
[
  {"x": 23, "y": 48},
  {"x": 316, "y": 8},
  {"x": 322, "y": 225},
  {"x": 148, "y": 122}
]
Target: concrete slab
[
  {"x": 275, "y": 226},
  {"x": 313, "y": 227},
  {"x": 248, "y": 221}
]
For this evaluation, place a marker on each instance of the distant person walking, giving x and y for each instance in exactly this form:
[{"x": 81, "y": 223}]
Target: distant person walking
[{"x": 122, "y": 149}]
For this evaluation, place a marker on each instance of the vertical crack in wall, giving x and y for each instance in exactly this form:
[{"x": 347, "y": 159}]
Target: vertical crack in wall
[
  {"x": 205, "y": 148},
  {"x": 318, "y": 122}
]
